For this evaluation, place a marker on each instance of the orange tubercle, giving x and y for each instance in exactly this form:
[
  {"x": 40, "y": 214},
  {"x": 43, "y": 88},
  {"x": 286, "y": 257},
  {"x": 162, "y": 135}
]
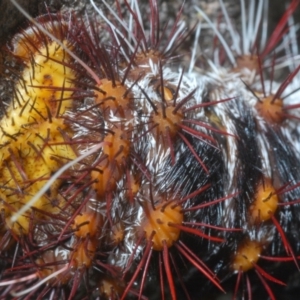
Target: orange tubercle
[
  {"x": 168, "y": 122},
  {"x": 110, "y": 288},
  {"x": 116, "y": 151},
  {"x": 113, "y": 96},
  {"x": 83, "y": 253},
  {"x": 106, "y": 180},
  {"x": 271, "y": 109},
  {"x": 246, "y": 255},
  {"x": 118, "y": 146},
  {"x": 87, "y": 223},
  {"x": 265, "y": 202},
  {"x": 158, "y": 221}
]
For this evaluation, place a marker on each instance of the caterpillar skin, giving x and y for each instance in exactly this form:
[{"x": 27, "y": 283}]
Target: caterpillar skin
[{"x": 127, "y": 173}]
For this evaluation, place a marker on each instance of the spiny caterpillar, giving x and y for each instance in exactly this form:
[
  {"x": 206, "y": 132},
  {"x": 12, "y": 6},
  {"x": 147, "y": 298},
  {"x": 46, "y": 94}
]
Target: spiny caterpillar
[{"x": 122, "y": 172}]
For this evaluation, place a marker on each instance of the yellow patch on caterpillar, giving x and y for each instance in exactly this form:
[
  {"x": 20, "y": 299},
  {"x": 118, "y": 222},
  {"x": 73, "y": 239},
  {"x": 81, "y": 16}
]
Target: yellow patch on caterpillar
[
  {"x": 33, "y": 147},
  {"x": 27, "y": 163},
  {"x": 45, "y": 83}
]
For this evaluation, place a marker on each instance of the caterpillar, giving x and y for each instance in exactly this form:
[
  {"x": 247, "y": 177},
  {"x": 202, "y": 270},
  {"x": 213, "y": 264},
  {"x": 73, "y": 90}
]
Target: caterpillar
[{"x": 128, "y": 173}]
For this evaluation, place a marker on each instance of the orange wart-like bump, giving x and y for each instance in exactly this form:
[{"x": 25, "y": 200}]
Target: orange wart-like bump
[
  {"x": 87, "y": 224},
  {"x": 271, "y": 109},
  {"x": 158, "y": 221},
  {"x": 166, "y": 121},
  {"x": 161, "y": 229},
  {"x": 83, "y": 253},
  {"x": 113, "y": 96},
  {"x": 246, "y": 258},
  {"x": 270, "y": 106},
  {"x": 246, "y": 255},
  {"x": 110, "y": 288},
  {"x": 105, "y": 180},
  {"x": 115, "y": 152},
  {"x": 265, "y": 202},
  {"x": 170, "y": 119},
  {"x": 117, "y": 145}
]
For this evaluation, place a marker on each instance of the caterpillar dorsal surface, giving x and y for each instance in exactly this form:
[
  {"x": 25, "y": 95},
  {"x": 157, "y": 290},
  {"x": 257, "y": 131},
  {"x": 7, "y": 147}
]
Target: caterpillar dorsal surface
[{"x": 129, "y": 173}]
